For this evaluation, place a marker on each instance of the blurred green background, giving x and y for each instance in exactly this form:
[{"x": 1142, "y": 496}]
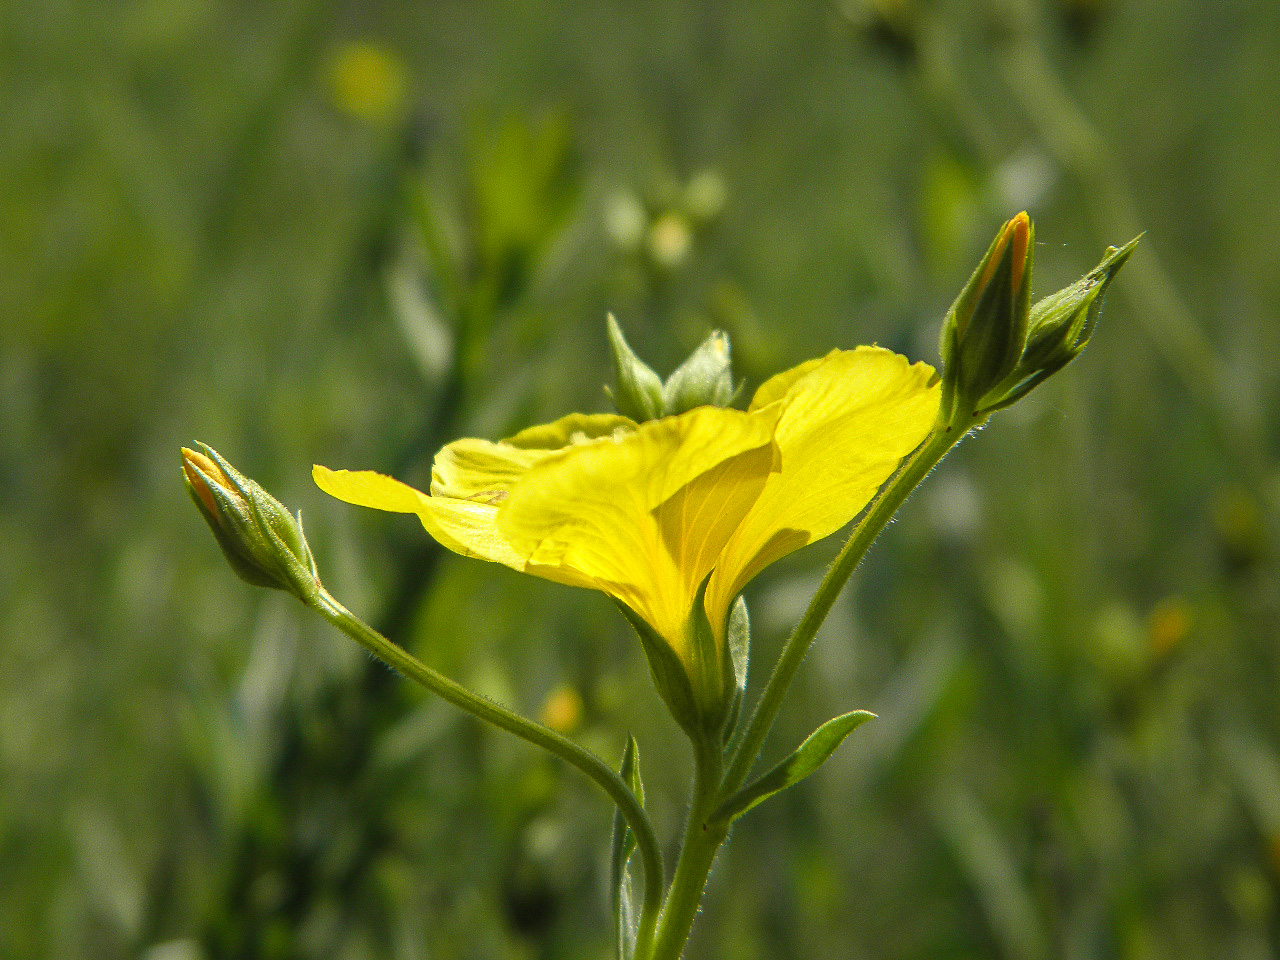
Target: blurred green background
[{"x": 349, "y": 232}]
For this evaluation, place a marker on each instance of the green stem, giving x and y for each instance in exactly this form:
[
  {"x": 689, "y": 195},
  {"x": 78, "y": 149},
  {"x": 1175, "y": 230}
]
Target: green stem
[
  {"x": 926, "y": 457},
  {"x": 702, "y": 839},
  {"x": 586, "y": 761}
]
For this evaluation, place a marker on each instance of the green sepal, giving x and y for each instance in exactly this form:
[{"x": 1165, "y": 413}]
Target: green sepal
[
  {"x": 670, "y": 675},
  {"x": 710, "y": 668},
  {"x": 623, "y": 845},
  {"x": 807, "y": 758},
  {"x": 698, "y": 689},
  {"x": 966, "y": 306},
  {"x": 637, "y": 391},
  {"x": 737, "y": 651},
  {"x": 704, "y": 379}
]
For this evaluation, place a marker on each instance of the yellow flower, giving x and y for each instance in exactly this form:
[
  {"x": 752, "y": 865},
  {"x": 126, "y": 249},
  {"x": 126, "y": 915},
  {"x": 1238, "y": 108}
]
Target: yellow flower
[
  {"x": 649, "y": 512},
  {"x": 368, "y": 82}
]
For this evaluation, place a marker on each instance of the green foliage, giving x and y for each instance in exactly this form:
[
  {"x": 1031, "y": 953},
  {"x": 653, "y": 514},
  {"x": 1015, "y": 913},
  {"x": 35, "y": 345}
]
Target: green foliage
[
  {"x": 802, "y": 762},
  {"x": 624, "y": 844},
  {"x": 1070, "y": 636}
]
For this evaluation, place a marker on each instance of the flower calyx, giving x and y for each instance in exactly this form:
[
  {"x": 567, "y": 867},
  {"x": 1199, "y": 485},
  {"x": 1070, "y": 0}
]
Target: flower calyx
[
  {"x": 260, "y": 538},
  {"x": 704, "y": 688}
]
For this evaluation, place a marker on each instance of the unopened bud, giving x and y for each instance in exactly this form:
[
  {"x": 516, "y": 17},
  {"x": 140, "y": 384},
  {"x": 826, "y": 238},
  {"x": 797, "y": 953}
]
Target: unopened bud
[
  {"x": 1060, "y": 328},
  {"x": 986, "y": 328},
  {"x": 637, "y": 390},
  {"x": 1063, "y": 322},
  {"x": 262, "y": 541},
  {"x": 704, "y": 379}
]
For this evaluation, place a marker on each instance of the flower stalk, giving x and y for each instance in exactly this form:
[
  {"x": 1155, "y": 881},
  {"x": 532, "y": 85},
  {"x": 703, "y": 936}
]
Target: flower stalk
[{"x": 535, "y": 733}]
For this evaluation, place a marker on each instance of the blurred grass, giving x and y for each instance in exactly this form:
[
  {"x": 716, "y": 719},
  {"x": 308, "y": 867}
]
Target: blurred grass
[{"x": 207, "y": 232}]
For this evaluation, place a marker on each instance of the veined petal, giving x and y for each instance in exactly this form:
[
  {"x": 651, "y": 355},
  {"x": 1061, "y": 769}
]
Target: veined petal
[
  {"x": 365, "y": 488},
  {"x": 644, "y": 514},
  {"x": 848, "y": 421},
  {"x": 471, "y": 468},
  {"x": 697, "y": 521},
  {"x": 464, "y": 526}
]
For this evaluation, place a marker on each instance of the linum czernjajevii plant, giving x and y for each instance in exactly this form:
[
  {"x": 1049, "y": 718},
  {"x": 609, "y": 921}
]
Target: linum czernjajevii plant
[{"x": 670, "y": 507}]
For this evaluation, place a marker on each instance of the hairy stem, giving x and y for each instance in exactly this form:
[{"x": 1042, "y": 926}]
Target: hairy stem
[
  {"x": 926, "y": 457},
  {"x": 702, "y": 839}
]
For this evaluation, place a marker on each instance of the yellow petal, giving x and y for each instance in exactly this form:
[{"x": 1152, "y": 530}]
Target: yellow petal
[
  {"x": 777, "y": 386},
  {"x": 644, "y": 514},
  {"x": 575, "y": 428},
  {"x": 464, "y": 526},
  {"x": 849, "y": 419},
  {"x": 483, "y": 469},
  {"x": 365, "y": 488}
]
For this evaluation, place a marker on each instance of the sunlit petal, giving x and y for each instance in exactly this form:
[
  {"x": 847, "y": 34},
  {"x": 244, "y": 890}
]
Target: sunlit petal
[
  {"x": 849, "y": 420},
  {"x": 365, "y": 488},
  {"x": 463, "y": 526},
  {"x": 472, "y": 468},
  {"x": 614, "y": 510}
]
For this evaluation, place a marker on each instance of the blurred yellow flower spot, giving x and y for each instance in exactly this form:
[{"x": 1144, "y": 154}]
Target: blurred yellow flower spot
[
  {"x": 368, "y": 82},
  {"x": 649, "y": 512},
  {"x": 670, "y": 240},
  {"x": 1168, "y": 624},
  {"x": 563, "y": 710}
]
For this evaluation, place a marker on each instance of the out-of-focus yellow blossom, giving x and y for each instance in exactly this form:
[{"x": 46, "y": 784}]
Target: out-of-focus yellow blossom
[
  {"x": 563, "y": 710},
  {"x": 1168, "y": 624},
  {"x": 670, "y": 240},
  {"x": 368, "y": 82},
  {"x": 649, "y": 512}
]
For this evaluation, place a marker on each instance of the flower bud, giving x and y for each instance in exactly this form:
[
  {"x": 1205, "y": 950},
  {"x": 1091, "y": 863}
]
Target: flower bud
[
  {"x": 704, "y": 379},
  {"x": 986, "y": 328},
  {"x": 637, "y": 390},
  {"x": 1060, "y": 328},
  {"x": 1062, "y": 323},
  {"x": 262, "y": 541}
]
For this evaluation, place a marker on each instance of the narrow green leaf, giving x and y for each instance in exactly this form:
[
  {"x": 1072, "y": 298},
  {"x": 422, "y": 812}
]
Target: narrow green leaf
[
  {"x": 737, "y": 653},
  {"x": 624, "y": 843},
  {"x": 808, "y": 757}
]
